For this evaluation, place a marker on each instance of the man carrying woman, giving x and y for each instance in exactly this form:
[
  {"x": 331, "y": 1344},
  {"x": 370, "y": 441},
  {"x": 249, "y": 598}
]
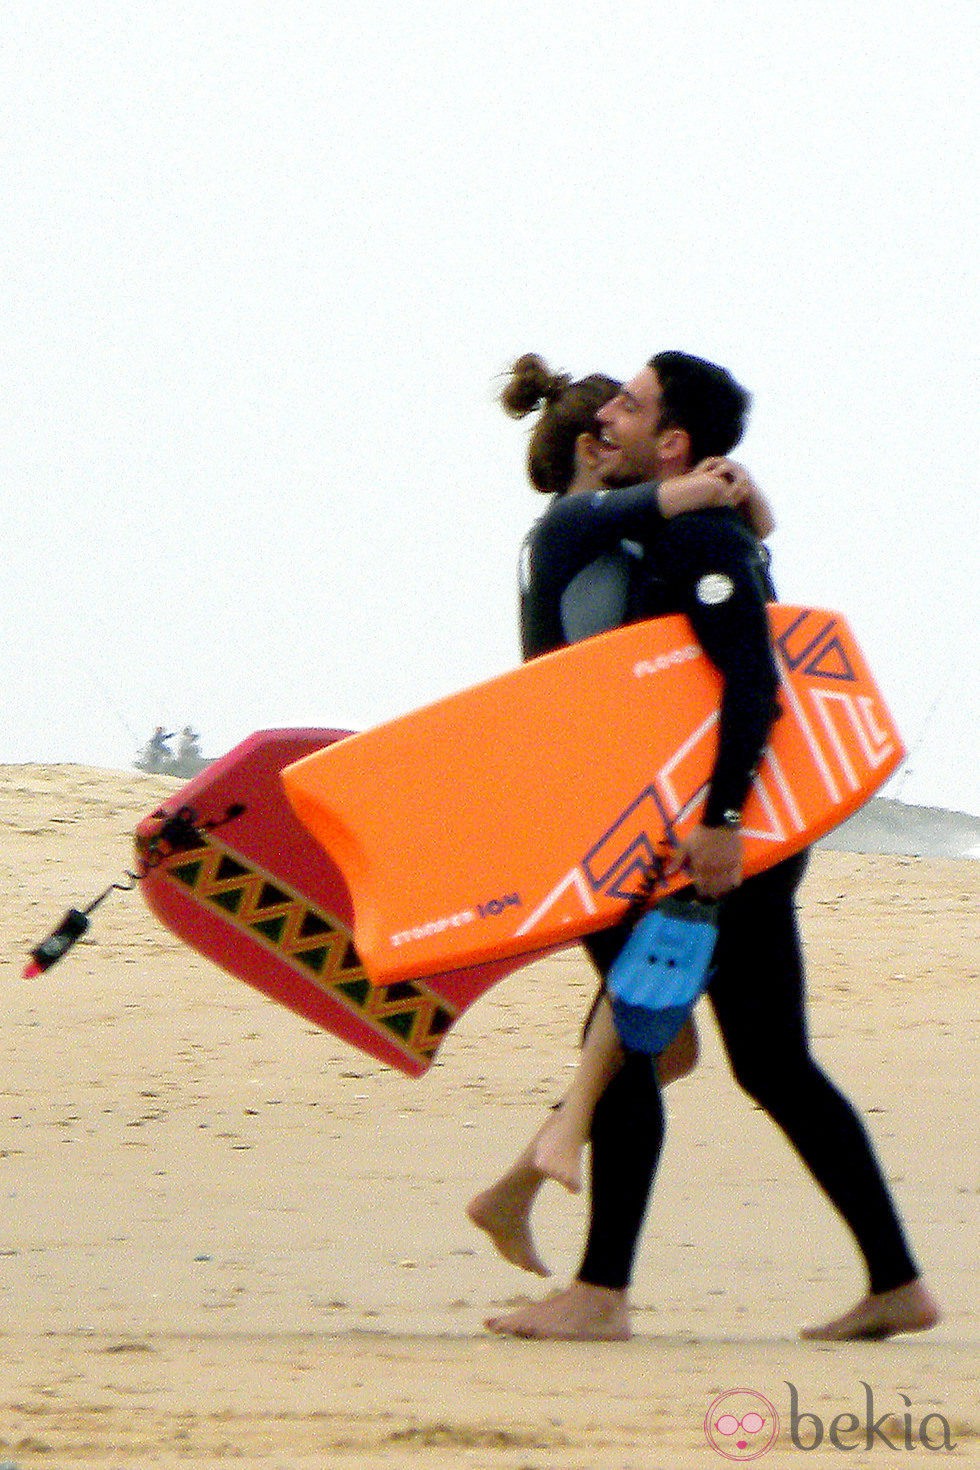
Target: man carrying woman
[{"x": 594, "y": 560}]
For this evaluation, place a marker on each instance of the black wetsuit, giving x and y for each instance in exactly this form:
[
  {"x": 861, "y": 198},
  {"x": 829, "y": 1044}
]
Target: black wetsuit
[{"x": 589, "y": 564}]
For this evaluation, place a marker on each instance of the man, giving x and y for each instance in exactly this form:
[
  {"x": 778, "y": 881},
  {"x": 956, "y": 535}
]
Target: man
[{"x": 676, "y": 411}]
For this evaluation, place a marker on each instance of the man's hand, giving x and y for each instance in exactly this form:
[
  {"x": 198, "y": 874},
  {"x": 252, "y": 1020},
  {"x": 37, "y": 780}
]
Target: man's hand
[{"x": 713, "y": 857}]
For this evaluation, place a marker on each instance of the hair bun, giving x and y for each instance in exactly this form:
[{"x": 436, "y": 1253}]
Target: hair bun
[{"x": 530, "y": 384}]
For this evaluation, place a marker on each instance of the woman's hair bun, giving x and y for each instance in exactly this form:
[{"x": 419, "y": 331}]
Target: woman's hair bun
[{"x": 531, "y": 383}]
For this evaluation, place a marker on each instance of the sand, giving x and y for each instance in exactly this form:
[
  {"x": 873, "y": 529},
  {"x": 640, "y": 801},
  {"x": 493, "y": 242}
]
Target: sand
[{"x": 227, "y": 1237}]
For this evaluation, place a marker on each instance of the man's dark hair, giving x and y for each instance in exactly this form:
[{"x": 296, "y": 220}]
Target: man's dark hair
[{"x": 704, "y": 400}]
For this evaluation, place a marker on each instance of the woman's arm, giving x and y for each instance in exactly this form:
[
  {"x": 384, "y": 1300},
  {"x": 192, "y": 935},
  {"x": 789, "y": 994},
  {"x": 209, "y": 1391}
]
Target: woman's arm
[{"x": 718, "y": 482}]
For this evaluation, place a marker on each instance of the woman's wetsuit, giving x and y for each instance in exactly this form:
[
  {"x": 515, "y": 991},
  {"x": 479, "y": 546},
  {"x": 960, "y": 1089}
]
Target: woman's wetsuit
[{"x": 590, "y": 563}]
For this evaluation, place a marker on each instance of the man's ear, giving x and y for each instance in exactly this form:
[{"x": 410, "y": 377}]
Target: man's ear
[{"x": 674, "y": 449}]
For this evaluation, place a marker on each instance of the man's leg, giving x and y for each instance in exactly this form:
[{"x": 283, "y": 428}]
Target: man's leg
[
  {"x": 758, "y": 996},
  {"x": 504, "y": 1209},
  {"x": 627, "y": 1138}
]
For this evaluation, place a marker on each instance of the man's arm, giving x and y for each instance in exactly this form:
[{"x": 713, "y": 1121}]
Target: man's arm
[{"x": 717, "y": 582}]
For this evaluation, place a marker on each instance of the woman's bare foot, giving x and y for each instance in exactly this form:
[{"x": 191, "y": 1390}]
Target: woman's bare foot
[
  {"x": 909, "y": 1308},
  {"x": 580, "y": 1313},
  {"x": 504, "y": 1212}
]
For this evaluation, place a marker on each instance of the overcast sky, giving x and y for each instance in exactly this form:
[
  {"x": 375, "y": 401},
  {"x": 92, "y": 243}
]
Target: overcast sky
[{"x": 261, "y": 266}]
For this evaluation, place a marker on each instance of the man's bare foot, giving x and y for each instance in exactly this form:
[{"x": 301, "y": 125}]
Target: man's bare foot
[
  {"x": 909, "y": 1308},
  {"x": 557, "y": 1151},
  {"x": 580, "y": 1313},
  {"x": 504, "y": 1212}
]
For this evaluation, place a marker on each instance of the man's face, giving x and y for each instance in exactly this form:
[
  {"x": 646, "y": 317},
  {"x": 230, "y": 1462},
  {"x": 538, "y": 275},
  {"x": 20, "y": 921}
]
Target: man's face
[{"x": 630, "y": 430}]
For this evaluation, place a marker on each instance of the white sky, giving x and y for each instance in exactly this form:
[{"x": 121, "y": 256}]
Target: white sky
[{"x": 261, "y": 265}]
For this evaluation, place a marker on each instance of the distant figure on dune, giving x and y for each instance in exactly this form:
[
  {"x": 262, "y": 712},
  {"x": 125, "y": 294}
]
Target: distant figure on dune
[{"x": 158, "y": 759}]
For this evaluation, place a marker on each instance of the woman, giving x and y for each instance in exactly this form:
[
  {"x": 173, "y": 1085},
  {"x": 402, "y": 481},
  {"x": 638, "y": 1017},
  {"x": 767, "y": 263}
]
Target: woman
[{"x": 576, "y": 568}]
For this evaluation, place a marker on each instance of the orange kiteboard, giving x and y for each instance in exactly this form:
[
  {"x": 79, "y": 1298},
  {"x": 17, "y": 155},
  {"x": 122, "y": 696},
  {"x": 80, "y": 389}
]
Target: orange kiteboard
[{"x": 521, "y": 814}]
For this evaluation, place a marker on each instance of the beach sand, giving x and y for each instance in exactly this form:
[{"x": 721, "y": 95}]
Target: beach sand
[{"x": 226, "y": 1237}]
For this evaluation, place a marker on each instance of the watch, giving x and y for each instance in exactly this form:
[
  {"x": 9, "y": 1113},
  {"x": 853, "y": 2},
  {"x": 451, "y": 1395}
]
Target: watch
[{"x": 730, "y": 818}]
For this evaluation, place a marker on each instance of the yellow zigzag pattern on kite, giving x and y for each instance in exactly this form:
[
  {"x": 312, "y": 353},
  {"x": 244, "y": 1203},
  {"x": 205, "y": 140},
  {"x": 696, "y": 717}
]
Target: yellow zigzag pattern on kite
[{"x": 317, "y": 945}]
